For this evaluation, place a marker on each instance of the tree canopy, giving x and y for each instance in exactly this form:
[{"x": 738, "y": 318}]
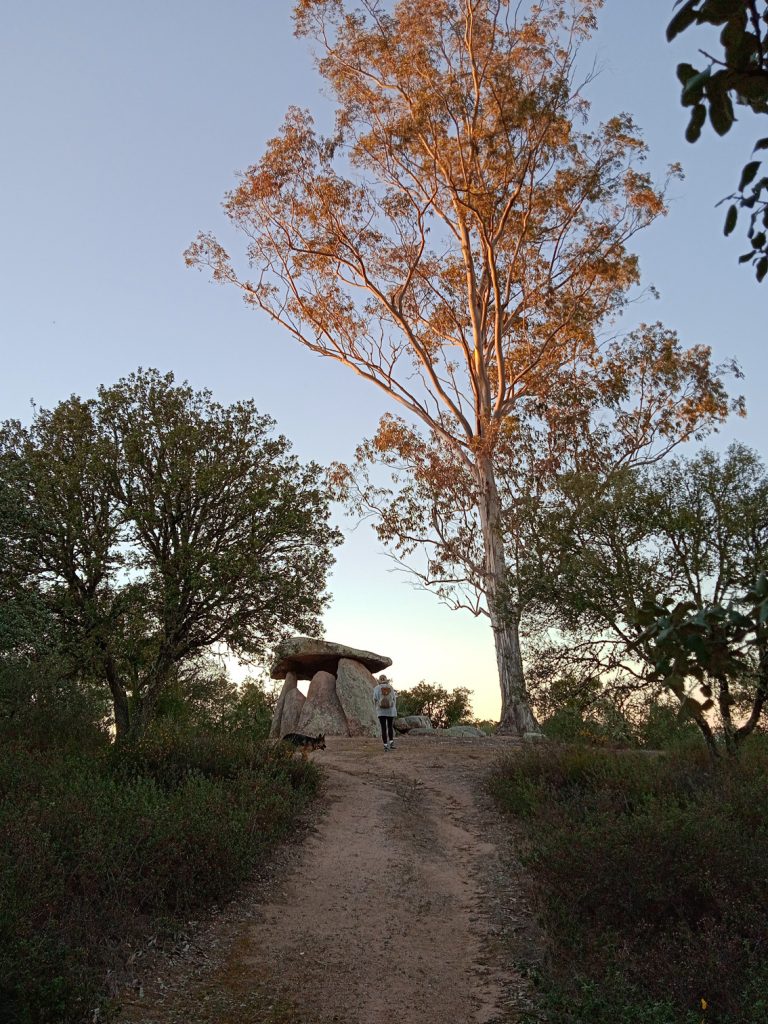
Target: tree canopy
[{"x": 153, "y": 524}]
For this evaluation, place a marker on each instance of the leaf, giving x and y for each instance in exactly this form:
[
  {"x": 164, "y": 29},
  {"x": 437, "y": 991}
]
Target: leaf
[
  {"x": 720, "y": 108},
  {"x": 748, "y": 174},
  {"x": 718, "y": 11},
  {"x": 684, "y": 17},
  {"x": 694, "y": 86},
  {"x": 762, "y": 268},
  {"x": 730, "y": 220},
  {"x": 685, "y": 72},
  {"x": 698, "y": 117},
  {"x": 760, "y": 144},
  {"x": 746, "y": 257}
]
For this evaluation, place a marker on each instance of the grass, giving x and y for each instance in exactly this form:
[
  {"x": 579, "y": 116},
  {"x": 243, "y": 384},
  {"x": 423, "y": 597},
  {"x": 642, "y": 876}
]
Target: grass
[
  {"x": 652, "y": 881},
  {"x": 100, "y": 850}
]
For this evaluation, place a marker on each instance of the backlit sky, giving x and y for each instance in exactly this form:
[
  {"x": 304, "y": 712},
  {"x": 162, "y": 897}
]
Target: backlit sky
[{"x": 121, "y": 127}]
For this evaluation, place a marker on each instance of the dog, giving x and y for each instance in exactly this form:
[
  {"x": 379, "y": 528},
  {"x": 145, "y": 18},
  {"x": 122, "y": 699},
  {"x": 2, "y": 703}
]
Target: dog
[{"x": 305, "y": 743}]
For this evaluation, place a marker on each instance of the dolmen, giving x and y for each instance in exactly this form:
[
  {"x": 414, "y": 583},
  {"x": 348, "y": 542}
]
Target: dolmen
[{"x": 339, "y": 701}]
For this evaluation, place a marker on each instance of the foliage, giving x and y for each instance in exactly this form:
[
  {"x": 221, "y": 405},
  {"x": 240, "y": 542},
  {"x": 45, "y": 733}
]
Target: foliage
[
  {"x": 740, "y": 75},
  {"x": 152, "y": 525},
  {"x": 443, "y": 708},
  {"x": 98, "y": 854},
  {"x": 41, "y": 708},
  {"x": 713, "y": 646},
  {"x": 204, "y": 697},
  {"x": 457, "y": 242},
  {"x": 650, "y": 881},
  {"x": 694, "y": 530}
]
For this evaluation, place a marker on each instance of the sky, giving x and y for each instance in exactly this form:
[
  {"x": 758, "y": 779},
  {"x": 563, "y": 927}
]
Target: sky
[{"x": 121, "y": 128}]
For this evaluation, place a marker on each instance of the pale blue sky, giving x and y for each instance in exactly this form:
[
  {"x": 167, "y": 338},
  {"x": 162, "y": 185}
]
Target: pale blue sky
[{"x": 121, "y": 127}]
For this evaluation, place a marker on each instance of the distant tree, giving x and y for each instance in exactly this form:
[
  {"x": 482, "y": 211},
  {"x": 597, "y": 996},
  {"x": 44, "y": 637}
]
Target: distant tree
[
  {"x": 154, "y": 525},
  {"x": 738, "y": 74},
  {"x": 457, "y": 242},
  {"x": 443, "y": 708}
]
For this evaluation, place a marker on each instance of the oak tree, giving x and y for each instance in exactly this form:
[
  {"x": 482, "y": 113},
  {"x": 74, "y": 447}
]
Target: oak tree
[
  {"x": 457, "y": 240},
  {"x": 156, "y": 525},
  {"x": 650, "y": 586}
]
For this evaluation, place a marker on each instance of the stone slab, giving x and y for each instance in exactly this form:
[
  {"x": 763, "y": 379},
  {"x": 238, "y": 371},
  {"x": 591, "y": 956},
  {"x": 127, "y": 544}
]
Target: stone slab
[
  {"x": 292, "y": 707},
  {"x": 322, "y": 711},
  {"x": 354, "y": 688},
  {"x": 305, "y": 656}
]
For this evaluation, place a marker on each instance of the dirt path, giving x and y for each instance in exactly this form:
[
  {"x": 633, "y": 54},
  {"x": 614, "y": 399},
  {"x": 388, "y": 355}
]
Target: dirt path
[{"x": 403, "y": 904}]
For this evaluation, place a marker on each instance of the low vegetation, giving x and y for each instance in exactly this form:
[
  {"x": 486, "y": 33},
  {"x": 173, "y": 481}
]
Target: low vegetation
[
  {"x": 104, "y": 846},
  {"x": 650, "y": 870}
]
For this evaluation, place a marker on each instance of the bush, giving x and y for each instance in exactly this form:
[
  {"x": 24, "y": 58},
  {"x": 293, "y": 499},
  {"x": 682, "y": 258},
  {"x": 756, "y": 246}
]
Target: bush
[
  {"x": 45, "y": 712},
  {"x": 664, "y": 729},
  {"x": 98, "y": 852},
  {"x": 651, "y": 883},
  {"x": 443, "y": 709},
  {"x": 601, "y": 725}
]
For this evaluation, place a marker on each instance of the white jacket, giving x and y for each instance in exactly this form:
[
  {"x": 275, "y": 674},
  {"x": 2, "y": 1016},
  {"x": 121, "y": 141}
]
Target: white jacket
[{"x": 385, "y": 712}]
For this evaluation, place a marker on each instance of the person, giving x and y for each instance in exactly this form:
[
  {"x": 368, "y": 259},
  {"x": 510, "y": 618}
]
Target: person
[{"x": 385, "y": 700}]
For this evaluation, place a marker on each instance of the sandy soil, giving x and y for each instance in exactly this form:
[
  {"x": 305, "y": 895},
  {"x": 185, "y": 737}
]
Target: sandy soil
[{"x": 404, "y": 901}]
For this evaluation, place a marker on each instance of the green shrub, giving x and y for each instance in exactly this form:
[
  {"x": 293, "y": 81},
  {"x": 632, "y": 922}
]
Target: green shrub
[
  {"x": 96, "y": 852},
  {"x": 664, "y": 729},
  {"x": 602, "y": 725},
  {"x": 652, "y": 890},
  {"x": 44, "y": 711}
]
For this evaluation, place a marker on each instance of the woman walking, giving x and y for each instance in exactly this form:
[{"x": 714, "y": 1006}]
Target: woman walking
[{"x": 385, "y": 699}]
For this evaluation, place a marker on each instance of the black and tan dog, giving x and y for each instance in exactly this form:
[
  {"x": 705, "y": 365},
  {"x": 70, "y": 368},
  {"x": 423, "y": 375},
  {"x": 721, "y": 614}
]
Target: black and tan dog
[{"x": 305, "y": 743}]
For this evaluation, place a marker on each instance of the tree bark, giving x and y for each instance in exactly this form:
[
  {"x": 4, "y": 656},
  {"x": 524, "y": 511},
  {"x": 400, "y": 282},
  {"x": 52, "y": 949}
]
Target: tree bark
[
  {"x": 517, "y": 718},
  {"x": 119, "y": 702}
]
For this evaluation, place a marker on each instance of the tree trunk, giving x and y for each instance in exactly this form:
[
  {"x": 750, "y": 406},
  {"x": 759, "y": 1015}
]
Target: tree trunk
[
  {"x": 119, "y": 702},
  {"x": 517, "y": 718}
]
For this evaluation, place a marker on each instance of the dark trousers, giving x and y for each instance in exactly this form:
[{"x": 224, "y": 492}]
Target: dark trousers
[{"x": 387, "y": 729}]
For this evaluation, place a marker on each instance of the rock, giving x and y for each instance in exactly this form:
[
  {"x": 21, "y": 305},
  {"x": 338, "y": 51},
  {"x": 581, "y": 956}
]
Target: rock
[
  {"x": 354, "y": 688},
  {"x": 410, "y": 722},
  {"x": 424, "y": 732},
  {"x": 322, "y": 711},
  {"x": 293, "y": 705},
  {"x": 322, "y": 687},
  {"x": 464, "y": 730},
  {"x": 305, "y": 657},
  {"x": 534, "y": 737},
  {"x": 289, "y": 684}
]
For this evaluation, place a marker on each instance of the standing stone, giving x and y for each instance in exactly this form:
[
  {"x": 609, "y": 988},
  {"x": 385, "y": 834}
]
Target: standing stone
[
  {"x": 293, "y": 705},
  {"x": 354, "y": 687},
  {"x": 291, "y": 679},
  {"x": 322, "y": 712},
  {"x": 322, "y": 687}
]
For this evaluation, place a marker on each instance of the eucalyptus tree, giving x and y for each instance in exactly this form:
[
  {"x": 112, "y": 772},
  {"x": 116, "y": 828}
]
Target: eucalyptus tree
[
  {"x": 457, "y": 240},
  {"x": 155, "y": 525}
]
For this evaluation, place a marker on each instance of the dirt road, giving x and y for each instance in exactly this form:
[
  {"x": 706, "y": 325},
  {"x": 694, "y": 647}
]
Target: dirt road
[{"x": 403, "y": 904}]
